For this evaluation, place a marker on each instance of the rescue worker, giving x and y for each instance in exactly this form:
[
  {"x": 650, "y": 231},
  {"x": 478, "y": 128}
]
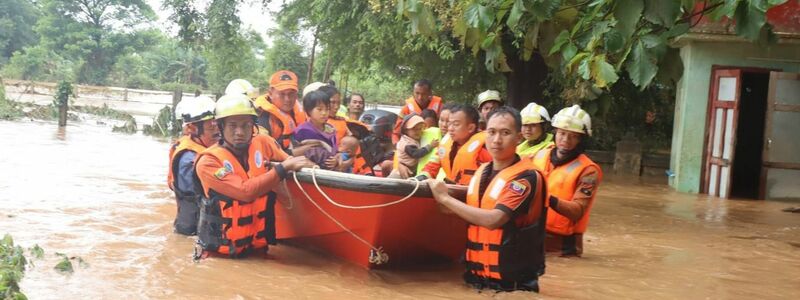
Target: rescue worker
[
  {"x": 488, "y": 101},
  {"x": 242, "y": 87},
  {"x": 506, "y": 211},
  {"x": 462, "y": 151},
  {"x": 572, "y": 181},
  {"x": 423, "y": 98},
  {"x": 198, "y": 117},
  {"x": 279, "y": 113},
  {"x": 534, "y": 135},
  {"x": 237, "y": 210}
]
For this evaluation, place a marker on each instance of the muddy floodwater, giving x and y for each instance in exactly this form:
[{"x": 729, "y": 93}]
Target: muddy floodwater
[{"x": 84, "y": 191}]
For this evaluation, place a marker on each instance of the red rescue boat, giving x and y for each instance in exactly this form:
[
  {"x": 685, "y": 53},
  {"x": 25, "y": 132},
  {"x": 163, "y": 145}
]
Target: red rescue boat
[{"x": 371, "y": 221}]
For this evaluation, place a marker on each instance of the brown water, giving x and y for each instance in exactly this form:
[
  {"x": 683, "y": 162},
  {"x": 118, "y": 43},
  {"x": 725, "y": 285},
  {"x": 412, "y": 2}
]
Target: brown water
[{"x": 87, "y": 192}]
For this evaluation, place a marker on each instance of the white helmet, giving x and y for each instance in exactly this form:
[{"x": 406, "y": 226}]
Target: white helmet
[
  {"x": 534, "y": 114},
  {"x": 195, "y": 109},
  {"x": 241, "y": 87},
  {"x": 573, "y": 119},
  {"x": 489, "y": 95},
  {"x": 313, "y": 87}
]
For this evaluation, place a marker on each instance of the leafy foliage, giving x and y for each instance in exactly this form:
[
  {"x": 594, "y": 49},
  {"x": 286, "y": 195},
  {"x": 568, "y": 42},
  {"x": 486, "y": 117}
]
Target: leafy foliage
[
  {"x": 17, "y": 18},
  {"x": 12, "y": 268},
  {"x": 593, "y": 38},
  {"x": 95, "y": 32}
]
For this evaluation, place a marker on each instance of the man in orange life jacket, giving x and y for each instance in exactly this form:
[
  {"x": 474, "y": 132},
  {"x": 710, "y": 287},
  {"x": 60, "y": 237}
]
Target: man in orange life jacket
[
  {"x": 572, "y": 181},
  {"x": 506, "y": 210},
  {"x": 237, "y": 210},
  {"x": 279, "y": 113},
  {"x": 198, "y": 117},
  {"x": 462, "y": 151},
  {"x": 423, "y": 99}
]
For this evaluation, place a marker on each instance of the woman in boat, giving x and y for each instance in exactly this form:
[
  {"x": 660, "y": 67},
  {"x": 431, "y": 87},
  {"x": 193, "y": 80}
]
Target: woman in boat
[
  {"x": 506, "y": 210},
  {"x": 236, "y": 178}
]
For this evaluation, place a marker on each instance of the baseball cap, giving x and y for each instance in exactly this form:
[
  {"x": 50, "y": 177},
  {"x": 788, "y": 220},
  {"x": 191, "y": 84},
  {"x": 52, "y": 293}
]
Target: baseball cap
[
  {"x": 412, "y": 120},
  {"x": 283, "y": 80}
]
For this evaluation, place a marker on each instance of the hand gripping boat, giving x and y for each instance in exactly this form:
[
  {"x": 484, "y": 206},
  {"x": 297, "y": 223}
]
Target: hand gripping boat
[{"x": 370, "y": 221}]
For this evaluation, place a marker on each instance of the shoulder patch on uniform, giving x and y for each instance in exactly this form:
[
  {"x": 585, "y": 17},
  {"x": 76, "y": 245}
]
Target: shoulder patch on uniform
[
  {"x": 228, "y": 166},
  {"x": 221, "y": 173},
  {"x": 518, "y": 187}
]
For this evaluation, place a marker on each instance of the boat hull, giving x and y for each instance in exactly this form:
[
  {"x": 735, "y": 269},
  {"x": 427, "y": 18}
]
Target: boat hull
[{"x": 414, "y": 231}]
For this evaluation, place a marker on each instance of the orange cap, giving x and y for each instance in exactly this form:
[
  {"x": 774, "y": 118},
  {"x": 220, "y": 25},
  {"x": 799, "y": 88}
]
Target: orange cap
[{"x": 283, "y": 80}]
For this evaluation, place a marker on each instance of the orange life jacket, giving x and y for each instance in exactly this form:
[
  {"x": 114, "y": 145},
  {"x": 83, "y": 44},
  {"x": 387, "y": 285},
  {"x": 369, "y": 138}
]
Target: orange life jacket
[
  {"x": 360, "y": 165},
  {"x": 434, "y": 105},
  {"x": 341, "y": 127},
  {"x": 229, "y": 226},
  {"x": 410, "y": 107},
  {"x": 561, "y": 183},
  {"x": 184, "y": 143},
  {"x": 466, "y": 160},
  {"x": 188, "y": 204},
  {"x": 515, "y": 251},
  {"x": 278, "y": 124}
]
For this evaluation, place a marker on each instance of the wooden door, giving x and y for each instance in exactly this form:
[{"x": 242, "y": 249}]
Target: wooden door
[
  {"x": 723, "y": 113},
  {"x": 780, "y": 173}
]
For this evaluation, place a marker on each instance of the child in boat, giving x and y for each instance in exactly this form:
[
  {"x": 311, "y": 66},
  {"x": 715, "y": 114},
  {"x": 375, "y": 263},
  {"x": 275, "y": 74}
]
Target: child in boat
[
  {"x": 409, "y": 151},
  {"x": 317, "y": 105},
  {"x": 347, "y": 150},
  {"x": 430, "y": 117}
]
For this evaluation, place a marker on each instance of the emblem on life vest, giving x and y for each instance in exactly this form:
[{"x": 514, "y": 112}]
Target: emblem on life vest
[
  {"x": 228, "y": 166},
  {"x": 473, "y": 146}
]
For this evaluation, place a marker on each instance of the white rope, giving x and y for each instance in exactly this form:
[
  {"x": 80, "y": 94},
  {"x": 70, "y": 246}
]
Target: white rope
[
  {"x": 376, "y": 256},
  {"x": 314, "y": 179},
  {"x": 289, "y": 197}
]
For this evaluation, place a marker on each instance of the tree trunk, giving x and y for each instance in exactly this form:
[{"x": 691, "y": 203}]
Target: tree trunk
[
  {"x": 310, "y": 73},
  {"x": 524, "y": 82},
  {"x": 327, "y": 74}
]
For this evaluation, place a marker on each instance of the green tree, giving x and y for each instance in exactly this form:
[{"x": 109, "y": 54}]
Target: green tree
[
  {"x": 17, "y": 18},
  {"x": 39, "y": 63},
  {"x": 286, "y": 53},
  {"x": 227, "y": 49},
  {"x": 95, "y": 32},
  {"x": 358, "y": 42},
  {"x": 592, "y": 40}
]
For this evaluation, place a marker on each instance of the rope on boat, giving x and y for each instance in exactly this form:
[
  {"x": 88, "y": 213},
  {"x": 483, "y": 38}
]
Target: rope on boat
[
  {"x": 376, "y": 254},
  {"x": 314, "y": 179}
]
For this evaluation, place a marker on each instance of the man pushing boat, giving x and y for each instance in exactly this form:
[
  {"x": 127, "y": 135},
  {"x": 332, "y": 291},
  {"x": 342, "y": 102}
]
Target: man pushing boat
[
  {"x": 506, "y": 210},
  {"x": 236, "y": 179}
]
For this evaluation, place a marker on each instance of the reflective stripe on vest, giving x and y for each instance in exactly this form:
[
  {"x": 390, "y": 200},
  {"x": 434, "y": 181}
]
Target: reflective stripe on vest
[
  {"x": 428, "y": 135},
  {"x": 561, "y": 183},
  {"x": 466, "y": 160},
  {"x": 239, "y": 225},
  {"x": 524, "y": 149},
  {"x": 496, "y": 253}
]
